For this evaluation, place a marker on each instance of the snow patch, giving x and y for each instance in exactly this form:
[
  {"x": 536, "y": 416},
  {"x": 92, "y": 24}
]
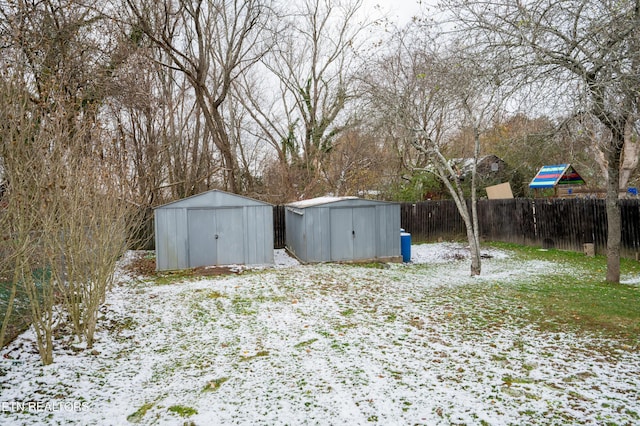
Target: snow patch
[{"x": 324, "y": 344}]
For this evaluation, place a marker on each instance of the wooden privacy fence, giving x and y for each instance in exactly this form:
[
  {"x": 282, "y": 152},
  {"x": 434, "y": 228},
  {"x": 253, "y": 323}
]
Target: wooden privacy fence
[
  {"x": 279, "y": 231},
  {"x": 561, "y": 223},
  {"x": 565, "y": 224}
]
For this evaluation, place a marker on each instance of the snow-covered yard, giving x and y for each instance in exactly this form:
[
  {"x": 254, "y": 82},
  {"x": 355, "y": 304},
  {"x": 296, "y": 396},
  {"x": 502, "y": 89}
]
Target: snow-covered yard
[{"x": 326, "y": 345}]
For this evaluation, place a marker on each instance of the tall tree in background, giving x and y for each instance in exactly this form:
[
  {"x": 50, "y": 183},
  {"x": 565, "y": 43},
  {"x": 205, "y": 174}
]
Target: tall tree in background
[
  {"x": 160, "y": 143},
  {"x": 590, "y": 51},
  {"x": 313, "y": 67},
  {"x": 67, "y": 53},
  {"x": 211, "y": 43}
]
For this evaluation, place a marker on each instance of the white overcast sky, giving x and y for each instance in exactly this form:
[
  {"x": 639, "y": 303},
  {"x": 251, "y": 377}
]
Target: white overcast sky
[{"x": 399, "y": 11}]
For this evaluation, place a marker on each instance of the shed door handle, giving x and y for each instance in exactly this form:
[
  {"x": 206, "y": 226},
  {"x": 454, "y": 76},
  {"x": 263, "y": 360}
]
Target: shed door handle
[
  {"x": 216, "y": 236},
  {"x": 353, "y": 233}
]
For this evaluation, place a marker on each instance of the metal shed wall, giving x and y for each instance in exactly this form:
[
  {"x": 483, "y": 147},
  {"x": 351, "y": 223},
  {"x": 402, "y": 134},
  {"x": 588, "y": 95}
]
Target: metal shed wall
[
  {"x": 350, "y": 229},
  {"x": 213, "y": 228}
]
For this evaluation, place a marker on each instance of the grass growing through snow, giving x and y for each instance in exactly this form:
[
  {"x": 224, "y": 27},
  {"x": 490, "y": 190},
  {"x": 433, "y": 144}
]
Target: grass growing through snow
[
  {"x": 577, "y": 297},
  {"x": 354, "y": 343}
]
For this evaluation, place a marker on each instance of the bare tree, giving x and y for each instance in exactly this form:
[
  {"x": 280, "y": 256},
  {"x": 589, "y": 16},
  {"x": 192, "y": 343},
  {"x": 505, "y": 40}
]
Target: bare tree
[
  {"x": 592, "y": 48},
  {"x": 30, "y": 172},
  {"x": 160, "y": 145},
  {"x": 356, "y": 164},
  {"x": 57, "y": 66},
  {"x": 211, "y": 43},
  {"x": 18, "y": 217},
  {"x": 426, "y": 96},
  {"x": 312, "y": 68},
  {"x": 88, "y": 227}
]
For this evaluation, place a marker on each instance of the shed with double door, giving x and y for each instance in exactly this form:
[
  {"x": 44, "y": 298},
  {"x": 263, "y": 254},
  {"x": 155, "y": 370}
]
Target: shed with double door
[
  {"x": 211, "y": 229},
  {"x": 343, "y": 229}
]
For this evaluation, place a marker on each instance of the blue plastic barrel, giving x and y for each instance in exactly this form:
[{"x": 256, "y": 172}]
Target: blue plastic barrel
[{"x": 405, "y": 246}]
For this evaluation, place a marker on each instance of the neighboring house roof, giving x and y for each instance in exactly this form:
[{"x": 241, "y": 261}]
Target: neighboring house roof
[
  {"x": 465, "y": 165},
  {"x": 557, "y": 174}
]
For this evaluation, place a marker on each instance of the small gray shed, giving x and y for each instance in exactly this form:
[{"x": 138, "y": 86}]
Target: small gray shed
[
  {"x": 213, "y": 228},
  {"x": 343, "y": 229}
]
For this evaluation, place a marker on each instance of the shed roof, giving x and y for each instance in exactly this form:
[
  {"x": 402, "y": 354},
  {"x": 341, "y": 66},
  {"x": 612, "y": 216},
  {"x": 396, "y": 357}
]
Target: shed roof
[
  {"x": 319, "y": 201},
  {"x": 214, "y": 197},
  {"x": 558, "y": 174}
]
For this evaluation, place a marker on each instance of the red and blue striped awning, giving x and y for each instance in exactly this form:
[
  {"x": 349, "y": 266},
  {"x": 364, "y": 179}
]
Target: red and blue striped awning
[{"x": 558, "y": 174}]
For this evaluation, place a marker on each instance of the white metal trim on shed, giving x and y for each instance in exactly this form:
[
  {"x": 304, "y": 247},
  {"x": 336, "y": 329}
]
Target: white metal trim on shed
[
  {"x": 343, "y": 229},
  {"x": 213, "y": 228}
]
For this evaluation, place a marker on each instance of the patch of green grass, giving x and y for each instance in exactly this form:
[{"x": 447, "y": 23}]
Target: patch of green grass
[
  {"x": 140, "y": 413},
  {"x": 242, "y": 306},
  {"x": 633, "y": 414},
  {"x": 173, "y": 277},
  {"x": 214, "y": 384},
  {"x": 210, "y": 294},
  {"x": 305, "y": 343},
  {"x": 343, "y": 327},
  {"x": 182, "y": 411},
  {"x": 257, "y": 355},
  {"x": 575, "y": 297},
  {"x": 510, "y": 380},
  {"x": 124, "y": 323},
  {"x": 589, "y": 304},
  {"x": 596, "y": 264},
  {"x": 370, "y": 265}
]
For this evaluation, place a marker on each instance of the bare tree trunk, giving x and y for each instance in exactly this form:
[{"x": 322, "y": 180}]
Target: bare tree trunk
[
  {"x": 449, "y": 177},
  {"x": 614, "y": 226},
  {"x": 474, "y": 239}
]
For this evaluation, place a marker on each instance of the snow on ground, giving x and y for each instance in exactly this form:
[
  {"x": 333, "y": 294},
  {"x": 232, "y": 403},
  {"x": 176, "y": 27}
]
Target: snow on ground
[
  {"x": 327, "y": 345},
  {"x": 446, "y": 252},
  {"x": 282, "y": 260}
]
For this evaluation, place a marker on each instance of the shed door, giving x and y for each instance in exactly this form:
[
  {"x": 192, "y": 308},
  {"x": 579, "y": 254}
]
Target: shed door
[
  {"x": 202, "y": 237},
  {"x": 230, "y": 231},
  {"x": 216, "y": 236},
  {"x": 353, "y": 233},
  {"x": 364, "y": 227}
]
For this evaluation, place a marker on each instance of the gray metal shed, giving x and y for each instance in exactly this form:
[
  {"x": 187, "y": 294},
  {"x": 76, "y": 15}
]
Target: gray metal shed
[
  {"x": 343, "y": 229},
  {"x": 213, "y": 228}
]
